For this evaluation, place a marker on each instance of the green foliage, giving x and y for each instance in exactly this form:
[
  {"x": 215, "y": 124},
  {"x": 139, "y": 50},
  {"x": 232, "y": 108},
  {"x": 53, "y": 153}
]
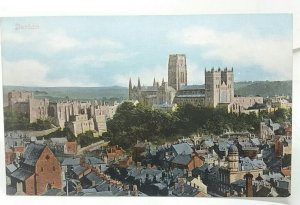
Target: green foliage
[
  {"x": 132, "y": 123},
  {"x": 40, "y": 125},
  {"x": 15, "y": 121},
  {"x": 86, "y": 139}
]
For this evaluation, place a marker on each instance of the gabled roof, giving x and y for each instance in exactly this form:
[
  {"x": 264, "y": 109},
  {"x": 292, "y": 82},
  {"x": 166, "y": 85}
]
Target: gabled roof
[
  {"x": 21, "y": 174},
  {"x": 184, "y": 190},
  {"x": 192, "y": 87},
  {"x": 11, "y": 167},
  {"x": 182, "y": 148},
  {"x": 71, "y": 161},
  {"x": 102, "y": 187},
  {"x": 262, "y": 192},
  {"x": 248, "y": 164},
  {"x": 93, "y": 177},
  {"x": 93, "y": 160},
  {"x": 79, "y": 169},
  {"x": 59, "y": 140},
  {"x": 201, "y": 169},
  {"x": 283, "y": 184},
  {"x": 32, "y": 153},
  {"x": 255, "y": 141},
  {"x": 182, "y": 159}
]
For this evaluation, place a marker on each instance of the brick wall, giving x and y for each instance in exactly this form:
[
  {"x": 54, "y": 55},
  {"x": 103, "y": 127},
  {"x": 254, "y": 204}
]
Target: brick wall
[
  {"x": 29, "y": 187},
  {"x": 48, "y": 172}
]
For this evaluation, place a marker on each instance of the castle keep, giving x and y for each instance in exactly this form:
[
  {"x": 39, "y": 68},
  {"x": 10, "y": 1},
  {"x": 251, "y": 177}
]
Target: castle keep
[{"x": 218, "y": 89}]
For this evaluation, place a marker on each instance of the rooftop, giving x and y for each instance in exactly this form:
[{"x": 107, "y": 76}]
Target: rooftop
[{"x": 32, "y": 153}]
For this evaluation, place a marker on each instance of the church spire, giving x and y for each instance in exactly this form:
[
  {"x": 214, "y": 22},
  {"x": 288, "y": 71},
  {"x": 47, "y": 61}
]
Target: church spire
[
  {"x": 154, "y": 83},
  {"x": 163, "y": 81},
  {"x": 139, "y": 84},
  {"x": 130, "y": 84}
]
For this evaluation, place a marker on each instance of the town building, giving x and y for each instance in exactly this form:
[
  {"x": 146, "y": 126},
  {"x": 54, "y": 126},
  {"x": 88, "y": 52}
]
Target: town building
[{"x": 38, "y": 172}]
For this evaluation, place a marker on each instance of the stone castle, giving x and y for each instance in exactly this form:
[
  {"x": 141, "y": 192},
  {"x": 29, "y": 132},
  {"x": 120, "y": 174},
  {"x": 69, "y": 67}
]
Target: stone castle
[
  {"x": 218, "y": 89},
  {"x": 78, "y": 116}
]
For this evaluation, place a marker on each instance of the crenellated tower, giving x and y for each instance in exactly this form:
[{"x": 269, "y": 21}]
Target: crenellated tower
[{"x": 219, "y": 86}]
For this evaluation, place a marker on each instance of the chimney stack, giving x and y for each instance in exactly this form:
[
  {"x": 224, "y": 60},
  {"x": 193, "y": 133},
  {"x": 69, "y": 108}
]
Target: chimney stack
[{"x": 249, "y": 188}]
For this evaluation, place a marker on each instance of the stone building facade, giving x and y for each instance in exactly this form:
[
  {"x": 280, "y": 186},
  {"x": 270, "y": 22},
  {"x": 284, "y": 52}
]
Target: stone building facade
[
  {"x": 177, "y": 71},
  {"x": 219, "y": 86},
  {"x": 79, "y": 116},
  {"x": 236, "y": 171},
  {"x": 80, "y": 124},
  {"x": 24, "y": 102},
  {"x": 38, "y": 109}
]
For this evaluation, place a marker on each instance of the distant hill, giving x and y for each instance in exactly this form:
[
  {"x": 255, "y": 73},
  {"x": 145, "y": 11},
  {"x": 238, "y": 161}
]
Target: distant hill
[
  {"x": 246, "y": 88},
  {"x": 263, "y": 88},
  {"x": 79, "y": 93}
]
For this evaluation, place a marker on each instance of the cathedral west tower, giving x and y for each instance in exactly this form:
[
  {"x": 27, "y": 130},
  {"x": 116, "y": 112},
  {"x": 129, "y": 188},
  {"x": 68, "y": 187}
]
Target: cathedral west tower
[{"x": 177, "y": 71}]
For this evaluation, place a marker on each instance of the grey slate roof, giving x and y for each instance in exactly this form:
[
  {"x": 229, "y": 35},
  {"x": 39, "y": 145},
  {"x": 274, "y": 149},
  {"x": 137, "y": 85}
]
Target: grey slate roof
[
  {"x": 71, "y": 161},
  {"x": 202, "y": 169},
  {"x": 32, "y": 153},
  {"x": 93, "y": 177},
  {"x": 182, "y": 148},
  {"x": 102, "y": 187},
  {"x": 255, "y": 141},
  {"x": 93, "y": 160},
  {"x": 53, "y": 192},
  {"x": 59, "y": 140},
  {"x": 21, "y": 174},
  {"x": 10, "y": 190},
  {"x": 192, "y": 87},
  {"x": 184, "y": 190},
  {"x": 182, "y": 159},
  {"x": 190, "y": 96},
  {"x": 103, "y": 193},
  {"x": 282, "y": 184},
  {"x": 11, "y": 168},
  {"x": 248, "y": 164},
  {"x": 79, "y": 169},
  {"x": 207, "y": 143}
]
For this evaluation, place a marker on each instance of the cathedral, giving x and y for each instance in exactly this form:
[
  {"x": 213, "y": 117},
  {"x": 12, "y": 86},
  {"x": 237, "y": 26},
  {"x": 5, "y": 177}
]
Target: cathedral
[{"x": 218, "y": 88}]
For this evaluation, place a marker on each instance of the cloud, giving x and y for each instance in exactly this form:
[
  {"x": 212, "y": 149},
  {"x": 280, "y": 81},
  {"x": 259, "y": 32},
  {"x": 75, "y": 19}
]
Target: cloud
[
  {"x": 102, "y": 59},
  {"x": 33, "y": 73},
  {"x": 271, "y": 53},
  {"x": 57, "y": 41},
  {"x": 103, "y": 43},
  {"x": 195, "y": 74},
  {"x": 146, "y": 76}
]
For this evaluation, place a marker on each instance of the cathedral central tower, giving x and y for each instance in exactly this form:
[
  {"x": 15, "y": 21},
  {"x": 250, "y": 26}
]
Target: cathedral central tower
[{"x": 177, "y": 71}]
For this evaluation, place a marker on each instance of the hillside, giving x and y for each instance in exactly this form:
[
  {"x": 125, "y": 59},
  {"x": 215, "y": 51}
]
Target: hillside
[
  {"x": 245, "y": 88},
  {"x": 79, "y": 93},
  {"x": 263, "y": 88}
]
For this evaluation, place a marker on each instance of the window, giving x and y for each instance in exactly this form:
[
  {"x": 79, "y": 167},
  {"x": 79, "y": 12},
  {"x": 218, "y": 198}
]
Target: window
[
  {"x": 53, "y": 168},
  {"x": 47, "y": 157},
  {"x": 42, "y": 169}
]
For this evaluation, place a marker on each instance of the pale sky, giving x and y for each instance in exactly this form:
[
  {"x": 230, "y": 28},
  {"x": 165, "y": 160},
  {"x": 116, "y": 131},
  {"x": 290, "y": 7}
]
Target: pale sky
[{"x": 108, "y": 50}]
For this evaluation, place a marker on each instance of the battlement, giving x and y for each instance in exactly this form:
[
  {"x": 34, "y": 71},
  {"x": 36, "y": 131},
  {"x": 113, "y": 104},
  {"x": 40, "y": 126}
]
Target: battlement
[{"x": 219, "y": 70}]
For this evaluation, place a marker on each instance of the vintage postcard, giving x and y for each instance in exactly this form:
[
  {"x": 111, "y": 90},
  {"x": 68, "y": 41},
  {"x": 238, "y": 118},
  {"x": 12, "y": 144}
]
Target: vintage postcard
[{"x": 174, "y": 106}]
